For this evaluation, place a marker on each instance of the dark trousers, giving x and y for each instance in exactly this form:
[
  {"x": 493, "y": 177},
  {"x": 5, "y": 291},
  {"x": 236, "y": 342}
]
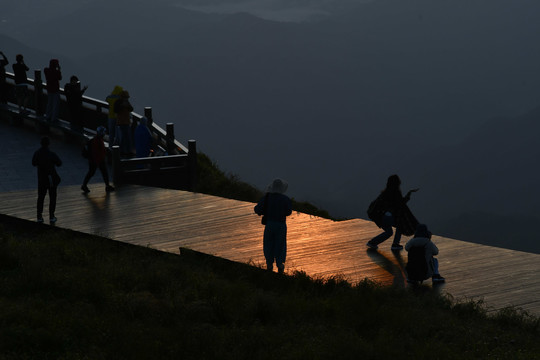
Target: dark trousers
[
  {"x": 92, "y": 167},
  {"x": 388, "y": 222},
  {"x": 42, "y": 192}
]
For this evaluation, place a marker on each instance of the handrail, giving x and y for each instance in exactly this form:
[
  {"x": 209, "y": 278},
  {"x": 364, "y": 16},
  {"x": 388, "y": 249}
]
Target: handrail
[
  {"x": 176, "y": 170},
  {"x": 164, "y": 138}
]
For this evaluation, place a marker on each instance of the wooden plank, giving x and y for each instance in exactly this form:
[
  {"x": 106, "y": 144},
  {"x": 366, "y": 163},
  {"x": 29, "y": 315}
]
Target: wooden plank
[{"x": 168, "y": 219}]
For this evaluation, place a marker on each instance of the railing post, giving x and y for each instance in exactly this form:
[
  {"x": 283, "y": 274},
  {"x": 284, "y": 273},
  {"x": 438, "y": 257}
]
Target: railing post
[
  {"x": 38, "y": 93},
  {"x": 170, "y": 138},
  {"x": 192, "y": 165},
  {"x": 117, "y": 171}
]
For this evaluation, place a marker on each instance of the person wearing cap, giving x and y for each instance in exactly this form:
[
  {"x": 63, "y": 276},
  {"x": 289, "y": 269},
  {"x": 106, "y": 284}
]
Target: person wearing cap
[
  {"x": 48, "y": 179},
  {"x": 422, "y": 239},
  {"x": 275, "y": 206},
  {"x": 97, "y": 159}
]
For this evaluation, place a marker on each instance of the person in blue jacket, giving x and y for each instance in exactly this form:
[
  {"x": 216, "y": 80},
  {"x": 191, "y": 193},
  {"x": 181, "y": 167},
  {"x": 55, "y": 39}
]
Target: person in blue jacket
[
  {"x": 275, "y": 206},
  {"x": 143, "y": 139}
]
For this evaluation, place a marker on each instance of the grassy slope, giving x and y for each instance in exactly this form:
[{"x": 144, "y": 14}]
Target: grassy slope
[{"x": 69, "y": 295}]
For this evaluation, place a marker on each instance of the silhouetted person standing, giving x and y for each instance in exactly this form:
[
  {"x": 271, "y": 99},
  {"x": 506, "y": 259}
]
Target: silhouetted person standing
[
  {"x": 143, "y": 139},
  {"x": 74, "y": 95},
  {"x": 3, "y": 86},
  {"x": 21, "y": 83},
  {"x": 111, "y": 100},
  {"x": 53, "y": 75},
  {"x": 394, "y": 212},
  {"x": 275, "y": 206},
  {"x": 123, "y": 109},
  {"x": 97, "y": 159},
  {"x": 48, "y": 179}
]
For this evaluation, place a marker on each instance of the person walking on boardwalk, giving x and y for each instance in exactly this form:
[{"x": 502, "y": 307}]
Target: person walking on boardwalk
[
  {"x": 390, "y": 209},
  {"x": 111, "y": 100},
  {"x": 21, "y": 83},
  {"x": 3, "y": 86},
  {"x": 74, "y": 98},
  {"x": 422, "y": 264},
  {"x": 97, "y": 159},
  {"x": 48, "y": 179},
  {"x": 53, "y": 75},
  {"x": 275, "y": 206}
]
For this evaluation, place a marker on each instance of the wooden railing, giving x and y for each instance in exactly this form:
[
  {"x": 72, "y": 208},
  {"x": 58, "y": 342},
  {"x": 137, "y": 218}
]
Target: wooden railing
[{"x": 175, "y": 170}]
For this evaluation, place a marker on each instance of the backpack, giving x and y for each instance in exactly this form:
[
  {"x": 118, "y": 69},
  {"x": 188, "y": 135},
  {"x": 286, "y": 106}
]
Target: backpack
[
  {"x": 417, "y": 267},
  {"x": 376, "y": 210}
]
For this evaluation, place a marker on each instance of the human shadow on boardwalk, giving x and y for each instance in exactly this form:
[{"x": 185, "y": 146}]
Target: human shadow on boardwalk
[
  {"x": 100, "y": 213},
  {"x": 396, "y": 270}
]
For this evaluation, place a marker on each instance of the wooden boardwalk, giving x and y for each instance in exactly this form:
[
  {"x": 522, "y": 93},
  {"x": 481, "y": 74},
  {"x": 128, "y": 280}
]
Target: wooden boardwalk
[{"x": 169, "y": 219}]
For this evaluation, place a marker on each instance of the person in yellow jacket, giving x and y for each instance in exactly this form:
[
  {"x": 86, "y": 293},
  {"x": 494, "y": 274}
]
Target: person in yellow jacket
[
  {"x": 123, "y": 109},
  {"x": 111, "y": 100}
]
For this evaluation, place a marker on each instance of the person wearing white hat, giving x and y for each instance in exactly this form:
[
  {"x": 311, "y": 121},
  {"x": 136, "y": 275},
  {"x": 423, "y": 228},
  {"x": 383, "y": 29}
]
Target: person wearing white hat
[{"x": 275, "y": 206}]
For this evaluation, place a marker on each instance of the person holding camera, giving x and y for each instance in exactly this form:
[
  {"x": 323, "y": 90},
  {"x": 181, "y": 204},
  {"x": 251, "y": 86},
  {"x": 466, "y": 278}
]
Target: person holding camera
[
  {"x": 393, "y": 212},
  {"x": 21, "y": 83}
]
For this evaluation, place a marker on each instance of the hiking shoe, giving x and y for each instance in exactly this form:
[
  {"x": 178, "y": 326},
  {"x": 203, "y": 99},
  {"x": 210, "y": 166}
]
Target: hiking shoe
[
  {"x": 40, "y": 219},
  {"x": 437, "y": 278},
  {"x": 53, "y": 220},
  {"x": 372, "y": 246},
  {"x": 85, "y": 189},
  {"x": 109, "y": 188},
  {"x": 396, "y": 247}
]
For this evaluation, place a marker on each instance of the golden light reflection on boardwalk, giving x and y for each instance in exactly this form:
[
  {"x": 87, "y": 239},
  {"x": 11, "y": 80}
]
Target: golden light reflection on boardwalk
[{"x": 169, "y": 219}]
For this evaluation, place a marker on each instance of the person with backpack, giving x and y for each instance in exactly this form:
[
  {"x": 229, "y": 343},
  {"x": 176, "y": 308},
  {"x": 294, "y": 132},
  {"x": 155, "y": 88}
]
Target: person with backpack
[
  {"x": 46, "y": 162},
  {"x": 275, "y": 206},
  {"x": 96, "y": 153},
  {"x": 390, "y": 210},
  {"x": 422, "y": 263}
]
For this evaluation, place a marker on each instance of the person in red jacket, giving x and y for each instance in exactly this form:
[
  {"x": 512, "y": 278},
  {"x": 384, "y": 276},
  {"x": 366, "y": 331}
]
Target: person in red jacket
[
  {"x": 97, "y": 159},
  {"x": 53, "y": 77}
]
